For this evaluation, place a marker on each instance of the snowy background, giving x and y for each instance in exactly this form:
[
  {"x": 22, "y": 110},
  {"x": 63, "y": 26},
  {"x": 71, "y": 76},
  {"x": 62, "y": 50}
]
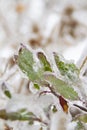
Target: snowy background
[
  {"x": 39, "y": 23},
  {"x": 19, "y": 19}
]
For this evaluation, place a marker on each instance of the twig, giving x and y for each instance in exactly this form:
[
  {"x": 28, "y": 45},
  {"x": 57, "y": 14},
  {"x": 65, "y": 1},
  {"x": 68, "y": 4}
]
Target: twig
[
  {"x": 83, "y": 63},
  {"x": 57, "y": 95},
  {"x": 11, "y": 75},
  {"x": 6, "y": 127},
  {"x": 17, "y": 116},
  {"x": 80, "y": 107},
  {"x": 39, "y": 120},
  {"x": 52, "y": 90},
  {"x": 44, "y": 92}
]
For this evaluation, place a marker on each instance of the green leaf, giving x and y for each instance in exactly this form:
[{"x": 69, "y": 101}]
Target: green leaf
[
  {"x": 25, "y": 115},
  {"x": 23, "y": 110},
  {"x": 54, "y": 109},
  {"x": 31, "y": 122},
  {"x": 21, "y": 115},
  {"x": 82, "y": 118},
  {"x": 25, "y": 61},
  {"x": 7, "y": 93},
  {"x": 44, "y": 62},
  {"x": 62, "y": 87},
  {"x": 67, "y": 69},
  {"x": 36, "y": 86},
  {"x": 41, "y": 128},
  {"x": 79, "y": 126}
]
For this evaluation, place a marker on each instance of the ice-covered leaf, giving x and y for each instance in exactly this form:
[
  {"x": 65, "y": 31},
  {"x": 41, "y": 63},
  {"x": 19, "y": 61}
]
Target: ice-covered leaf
[
  {"x": 19, "y": 115},
  {"x": 54, "y": 109},
  {"x": 25, "y": 61},
  {"x": 67, "y": 69},
  {"x": 41, "y": 128},
  {"x": 36, "y": 86},
  {"x": 82, "y": 117},
  {"x": 6, "y": 90},
  {"x": 44, "y": 62},
  {"x": 7, "y": 93},
  {"x": 26, "y": 115},
  {"x": 62, "y": 87},
  {"x": 23, "y": 110},
  {"x": 79, "y": 126}
]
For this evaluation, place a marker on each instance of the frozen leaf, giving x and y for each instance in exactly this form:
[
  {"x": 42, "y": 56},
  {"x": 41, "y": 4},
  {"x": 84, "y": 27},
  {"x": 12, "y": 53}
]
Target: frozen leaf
[
  {"x": 41, "y": 128},
  {"x": 62, "y": 87},
  {"x": 82, "y": 118},
  {"x": 5, "y": 90},
  {"x": 25, "y": 61},
  {"x": 25, "y": 114},
  {"x": 7, "y": 93},
  {"x": 31, "y": 122},
  {"x": 79, "y": 126},
  {"x": 44, "y": 62},
  {"x": 54, "y": 109},
  {"x": 63, "y": 104},
  {"x": 36, "y": 86},
  {"x": 19, "y": 115},
  {"x": 22, "y": 110},
  {"x": 67, "y": 69}
]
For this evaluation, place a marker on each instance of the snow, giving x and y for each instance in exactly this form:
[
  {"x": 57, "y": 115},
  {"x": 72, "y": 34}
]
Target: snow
[{"x": 15, "y": 28}]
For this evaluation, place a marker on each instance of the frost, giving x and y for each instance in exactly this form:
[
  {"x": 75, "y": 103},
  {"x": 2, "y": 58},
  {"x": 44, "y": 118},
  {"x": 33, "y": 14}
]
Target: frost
[
  {"x": 22, "y": 101},
  {"x": 40, "y": 77}
]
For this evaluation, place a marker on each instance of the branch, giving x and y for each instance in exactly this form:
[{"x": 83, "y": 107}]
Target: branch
[{"x": 21, "y": 116}]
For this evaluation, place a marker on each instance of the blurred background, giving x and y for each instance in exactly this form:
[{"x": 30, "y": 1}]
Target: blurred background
[{"x": 54, "y": 25}]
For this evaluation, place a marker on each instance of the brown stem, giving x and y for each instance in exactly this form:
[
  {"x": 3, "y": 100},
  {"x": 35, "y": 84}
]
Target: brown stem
[
  {"x": 44, "y": 92},
  {"x": 17, "y": 116},
  {"x": 80, "y": 107},
  {"x": 54, "y": 93},
  {"x": 84, "y": 61},
  {"x": 39, "y": 120},
  {"x": 52, "y": 90}
]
